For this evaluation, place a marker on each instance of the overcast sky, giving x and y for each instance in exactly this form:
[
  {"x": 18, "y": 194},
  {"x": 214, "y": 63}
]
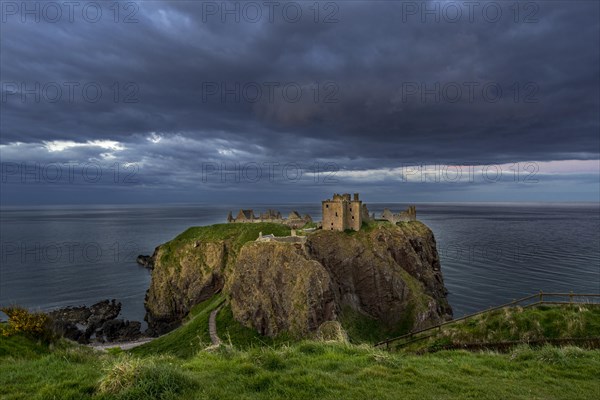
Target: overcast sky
[{"x": 184, "y": 101}]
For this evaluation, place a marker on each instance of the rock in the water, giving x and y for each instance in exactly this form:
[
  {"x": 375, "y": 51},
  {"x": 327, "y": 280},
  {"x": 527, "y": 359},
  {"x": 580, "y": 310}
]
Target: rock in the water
[
  {"x": 75, "y": 315},
  {"x": 97, "y": 322},
  {"x": 118, "y": 330},
  {"x": 105, "y": 310},
  {"x": 145, "y": 261}
]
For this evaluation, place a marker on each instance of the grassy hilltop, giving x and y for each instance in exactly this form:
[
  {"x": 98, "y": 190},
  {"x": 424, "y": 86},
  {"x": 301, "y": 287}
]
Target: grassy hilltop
[{"x": 181, "y": 365}]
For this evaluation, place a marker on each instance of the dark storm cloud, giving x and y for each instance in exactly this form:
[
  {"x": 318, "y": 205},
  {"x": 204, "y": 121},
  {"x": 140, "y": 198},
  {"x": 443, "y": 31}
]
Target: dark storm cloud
[{"x": 369, "y": 67}]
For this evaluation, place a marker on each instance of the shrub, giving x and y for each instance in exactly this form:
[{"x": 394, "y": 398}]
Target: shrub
[
  {"x": 120, "y": 376},
  {"x": 134, "y": 378},
  {"x": 35, "y": 325},
  {"x": 332, "y": 331}
]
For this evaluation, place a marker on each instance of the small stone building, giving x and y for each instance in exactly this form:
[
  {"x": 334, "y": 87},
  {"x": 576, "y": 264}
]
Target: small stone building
[
  {"x": 245, "y": 216},
  {"x": 294, "y": 215}
]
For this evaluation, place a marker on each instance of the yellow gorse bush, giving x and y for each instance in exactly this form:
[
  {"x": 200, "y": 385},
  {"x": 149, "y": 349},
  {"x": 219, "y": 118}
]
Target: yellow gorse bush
[{"x": 22, "y": 321}]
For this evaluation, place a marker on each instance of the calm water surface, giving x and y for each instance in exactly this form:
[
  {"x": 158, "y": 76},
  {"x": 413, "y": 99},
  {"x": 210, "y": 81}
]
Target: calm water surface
[{"x": 491, "y": 253}]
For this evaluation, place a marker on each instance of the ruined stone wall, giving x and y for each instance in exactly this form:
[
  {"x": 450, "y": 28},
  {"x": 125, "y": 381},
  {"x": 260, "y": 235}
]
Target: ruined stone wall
[
  {"x": 334, "y": 216},
  {"x": 271, "y": 216},
  {"x": 410, "y": 214},
  {"x": 354, "y": 220},
  {"x": 283, "y": 239},
  {"x": 341, "y": 197},
  {"x": 272, "y": 220},
  {"x": 364, "y": 211}
]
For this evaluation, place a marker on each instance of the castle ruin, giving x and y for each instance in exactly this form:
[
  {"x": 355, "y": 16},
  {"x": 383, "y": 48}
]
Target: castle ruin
[
  {"x": 293, "y": 220},
  {"x": 410, "y": 214},
  {"x": 341, "y": 213}
]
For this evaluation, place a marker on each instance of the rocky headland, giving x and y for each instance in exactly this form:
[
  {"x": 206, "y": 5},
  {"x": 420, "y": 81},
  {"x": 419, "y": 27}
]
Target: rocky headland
[{"x": 385, "y": 273}]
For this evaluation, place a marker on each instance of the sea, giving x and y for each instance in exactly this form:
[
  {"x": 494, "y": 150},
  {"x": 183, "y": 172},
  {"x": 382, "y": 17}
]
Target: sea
[{"x": 491, "y": 253}]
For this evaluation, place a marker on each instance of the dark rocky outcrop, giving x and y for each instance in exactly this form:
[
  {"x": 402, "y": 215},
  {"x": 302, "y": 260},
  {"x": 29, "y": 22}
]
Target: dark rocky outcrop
[
  {"x": 387, "y": 273},
  {"x": 147, "y": 261},
  {"x": 95, "y": 323},
  {"x": 118, "y": 330}
]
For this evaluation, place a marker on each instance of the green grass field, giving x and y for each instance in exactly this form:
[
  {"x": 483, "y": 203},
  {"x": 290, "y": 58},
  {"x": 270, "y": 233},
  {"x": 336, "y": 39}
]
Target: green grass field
[
  {"x": 300, "y": 371},
  {"x": 181, "y": 365}
]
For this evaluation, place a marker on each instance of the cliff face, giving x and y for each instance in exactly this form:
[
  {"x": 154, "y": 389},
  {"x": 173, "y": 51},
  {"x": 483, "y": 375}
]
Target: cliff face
[
  {"x": 191, "y": 275},
  {"x": 192, "y": 268},
  {"x": 387, "y": 273},
  {"x": 275, "y": 288}
]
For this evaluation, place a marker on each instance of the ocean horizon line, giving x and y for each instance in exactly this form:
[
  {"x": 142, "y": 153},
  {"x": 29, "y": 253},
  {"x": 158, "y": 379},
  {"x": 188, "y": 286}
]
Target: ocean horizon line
[{"x": 220, "y": 205}]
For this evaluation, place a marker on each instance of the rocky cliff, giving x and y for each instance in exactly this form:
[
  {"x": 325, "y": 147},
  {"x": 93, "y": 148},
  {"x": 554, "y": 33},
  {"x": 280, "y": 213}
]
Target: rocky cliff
[
  {"x": 385, "y": 273},
  {"x": 192, "y": 275},
  {"x": 275, "y": 287},
  {"x": 192, "y": 268}
]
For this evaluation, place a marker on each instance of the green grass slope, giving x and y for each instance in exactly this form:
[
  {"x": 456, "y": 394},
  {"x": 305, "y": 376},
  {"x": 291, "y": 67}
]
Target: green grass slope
[
  {"x": 30, "y": 370},
  {"x": 334, "y": 371},
  {"x": 180, "y": 366},
  {"x": 192, "y": 337},
  {"x": 516, "y": 324},
  {"x": 299, "y": 371},
  {"x": 189, "y": 338}
]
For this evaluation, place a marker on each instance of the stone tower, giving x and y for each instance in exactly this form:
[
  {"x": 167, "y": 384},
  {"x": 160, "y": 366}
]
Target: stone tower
[{"x": 342, "y": 212}]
